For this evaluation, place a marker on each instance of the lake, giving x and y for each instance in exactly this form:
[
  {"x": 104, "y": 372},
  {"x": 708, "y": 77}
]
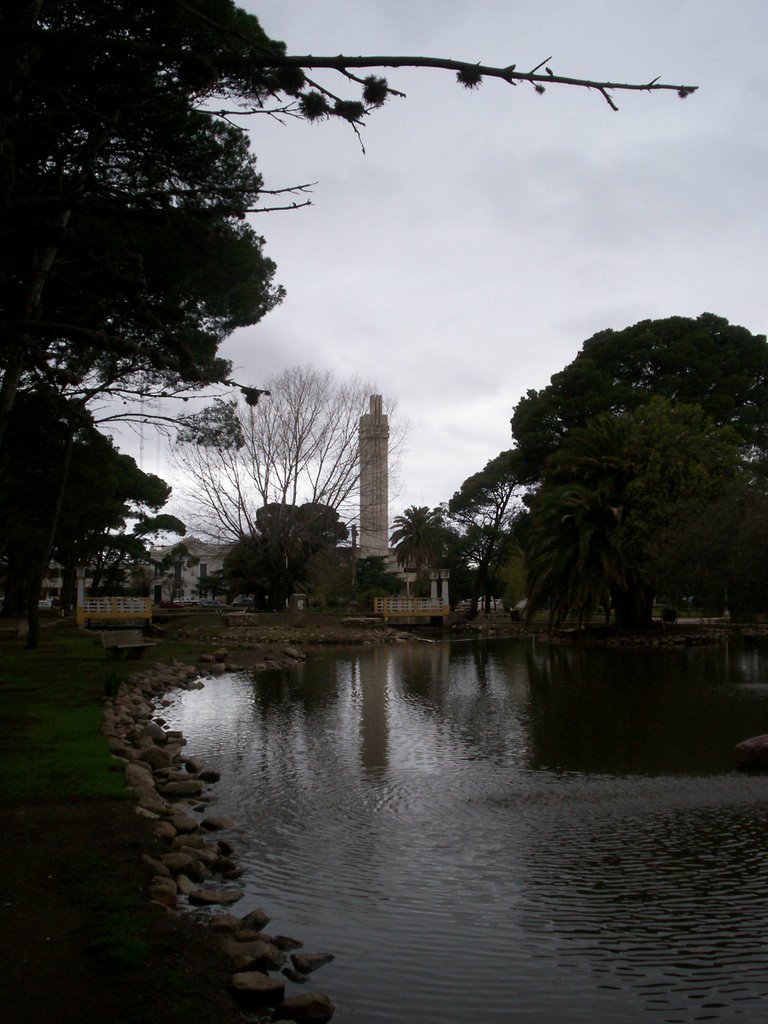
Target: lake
[{"x": 504, "y": 830}]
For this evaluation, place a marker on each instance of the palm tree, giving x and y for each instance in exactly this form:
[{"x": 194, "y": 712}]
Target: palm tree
[
  {"x": 417, "y": 538},
  {"x": 570, "y": 561},
  {"x": 576, "y": 557},
  {"x": 612, "y": 498}
]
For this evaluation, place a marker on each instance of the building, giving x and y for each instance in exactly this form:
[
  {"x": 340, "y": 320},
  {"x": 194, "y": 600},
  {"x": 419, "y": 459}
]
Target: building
[{"x": 178, "y": 568}]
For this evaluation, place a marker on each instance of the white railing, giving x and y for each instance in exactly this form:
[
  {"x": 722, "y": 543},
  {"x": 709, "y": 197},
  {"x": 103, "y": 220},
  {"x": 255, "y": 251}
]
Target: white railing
[
  {"x": 408, "y": 606},
  {"x": 114, "y": 608}
]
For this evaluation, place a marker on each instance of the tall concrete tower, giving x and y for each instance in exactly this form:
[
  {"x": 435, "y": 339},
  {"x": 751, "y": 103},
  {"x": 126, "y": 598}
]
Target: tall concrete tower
[{"x": 374, "y": 481}]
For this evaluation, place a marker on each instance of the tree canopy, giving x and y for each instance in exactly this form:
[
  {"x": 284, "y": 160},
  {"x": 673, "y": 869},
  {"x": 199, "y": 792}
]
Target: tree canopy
[
  {"x": 272, "y": 562},
  {"x": 126, "y": 185},
  {"x": 610, "y": 503},
  {"x": 719, "y": 366},
  {"x": 418, "y": 537},
  {"x": 645, "y": 462},
  {"x": 126, "y": 258},
  {"x": 483, "y": 511},
  {"x": 70, "y": 494},
  {"x": 125, "y": 180}
]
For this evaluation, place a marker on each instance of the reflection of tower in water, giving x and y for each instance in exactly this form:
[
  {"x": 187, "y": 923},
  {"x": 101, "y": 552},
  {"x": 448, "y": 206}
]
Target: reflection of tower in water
[
  {"x": 373, "y": 681},
  {"x": 381, "y": 678}
]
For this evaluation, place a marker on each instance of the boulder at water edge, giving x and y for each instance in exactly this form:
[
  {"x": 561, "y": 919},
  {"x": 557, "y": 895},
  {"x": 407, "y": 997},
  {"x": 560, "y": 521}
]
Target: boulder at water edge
[
  {"x": 210, "y": 897},
  {"x": 310, "y": 1008},
  {"x": 752, "y": 754},
  {"x": 253, "y": 988},
  {"x": 305, "y": 963}
]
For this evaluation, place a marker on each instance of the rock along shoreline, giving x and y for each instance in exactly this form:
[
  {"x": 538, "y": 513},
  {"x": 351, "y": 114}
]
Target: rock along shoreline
[{"x": 195, "y": 871}]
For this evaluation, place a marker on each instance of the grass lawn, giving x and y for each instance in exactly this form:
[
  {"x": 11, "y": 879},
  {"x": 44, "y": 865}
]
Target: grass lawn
[
  {"x": 51, "y": 747},
  {"x": 79, "y": 941}
]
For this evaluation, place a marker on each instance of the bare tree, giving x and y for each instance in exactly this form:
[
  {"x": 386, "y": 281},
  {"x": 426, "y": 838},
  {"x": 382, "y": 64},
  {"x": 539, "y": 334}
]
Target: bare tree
[{"x": 298, "y": 445}]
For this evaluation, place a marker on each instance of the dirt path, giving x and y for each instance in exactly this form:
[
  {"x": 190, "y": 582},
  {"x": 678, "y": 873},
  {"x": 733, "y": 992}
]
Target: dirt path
[{"x": 79, "y": 941}]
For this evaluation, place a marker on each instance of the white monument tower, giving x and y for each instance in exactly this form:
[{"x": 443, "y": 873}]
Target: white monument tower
[{"x": 374, "y": 481}]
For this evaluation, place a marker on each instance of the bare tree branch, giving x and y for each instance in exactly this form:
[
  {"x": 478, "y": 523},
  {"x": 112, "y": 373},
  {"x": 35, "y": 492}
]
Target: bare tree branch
[
  {"x": 276, "y": 209},
  {"x": 471, "y": 74},
  {"x": 300, "y": 446}
]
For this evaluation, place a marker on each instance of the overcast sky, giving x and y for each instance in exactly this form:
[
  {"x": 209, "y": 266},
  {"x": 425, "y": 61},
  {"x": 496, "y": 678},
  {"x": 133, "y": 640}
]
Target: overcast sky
[{"x": 484, "y": 235}]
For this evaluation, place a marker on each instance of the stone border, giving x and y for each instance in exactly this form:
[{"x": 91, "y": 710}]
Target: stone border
[
  {"x": 267, "y": 638},
  {"x": 197, "y": 865}
]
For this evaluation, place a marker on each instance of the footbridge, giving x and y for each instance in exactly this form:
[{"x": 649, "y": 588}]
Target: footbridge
[{"x": 410, "y": 607}]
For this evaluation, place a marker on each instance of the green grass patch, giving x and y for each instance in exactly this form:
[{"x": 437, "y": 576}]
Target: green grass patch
[
  {"x": 51, "y": 747},
  {"x": 118, "y": 940},
  {"x": 61, "y": 754}
]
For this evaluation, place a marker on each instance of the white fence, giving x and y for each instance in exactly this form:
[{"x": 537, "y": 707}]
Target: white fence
[
  {"x": 114, "y": 609},
  {"x": 409, "y": 607}
]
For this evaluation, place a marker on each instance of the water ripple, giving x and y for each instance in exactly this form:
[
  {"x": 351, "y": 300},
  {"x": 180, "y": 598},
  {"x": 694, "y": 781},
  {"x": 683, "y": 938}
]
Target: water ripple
[{"x": 469, "y": 841}]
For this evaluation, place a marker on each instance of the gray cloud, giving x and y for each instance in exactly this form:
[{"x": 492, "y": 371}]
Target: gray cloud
[{"x": 485, "y": 236}]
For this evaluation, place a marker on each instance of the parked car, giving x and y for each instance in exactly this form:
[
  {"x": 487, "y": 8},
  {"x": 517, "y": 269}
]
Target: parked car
[{"x": 242, "y": 601}]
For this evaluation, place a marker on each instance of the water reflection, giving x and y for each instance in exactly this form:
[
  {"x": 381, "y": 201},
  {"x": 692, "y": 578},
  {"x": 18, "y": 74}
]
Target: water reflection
[
  {"x": 663, "y": 711},
  {"x": 370, "y": 687},
  {"x": 505, "y": 829}
]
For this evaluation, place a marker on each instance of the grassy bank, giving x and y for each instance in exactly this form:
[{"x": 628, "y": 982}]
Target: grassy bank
[
  {"x": 50, "y": 712},
  {"x": 79, "y": 941}
]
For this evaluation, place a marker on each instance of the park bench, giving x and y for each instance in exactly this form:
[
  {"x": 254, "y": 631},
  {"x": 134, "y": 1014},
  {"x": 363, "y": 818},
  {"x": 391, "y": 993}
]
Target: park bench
[{"x": 126, "y": 643}]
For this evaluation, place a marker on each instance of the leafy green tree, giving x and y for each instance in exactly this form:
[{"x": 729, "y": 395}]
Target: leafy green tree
[
  {"x": 139, "y": 575},
  {"x": 124, "y": 182},
  {"x": 604, "y": 511},
  {"x": 126, "y": 258},
  {"x": 170, "y": 568},
  {"x": 373, "y": 579},
  {"x": 572, "y": 539},
  {"x": 745, "y": 593},
  {"x": 33, "y": 466},
  {"x": 704, "y": 361},
  {"x": 418, "y": 537},
  {"x": 107, "y": 517},
  {"x": 70, "y": 498},
  {"x": 336, "y": 580},
  {"x": 213, "y": 585},
  {"x": 716, "y": 560},
  {"x": 512, "y": 578},
  {"x": 272, "y": 563},
  {"x": 329, "y": 578},
  {"x": 484, "y": 510},
  {"x": 125, "y": 253},
  {"x": 456, "y": 561}
]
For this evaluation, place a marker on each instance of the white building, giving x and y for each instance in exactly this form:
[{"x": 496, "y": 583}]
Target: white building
[{"x": 178, "y": 568}]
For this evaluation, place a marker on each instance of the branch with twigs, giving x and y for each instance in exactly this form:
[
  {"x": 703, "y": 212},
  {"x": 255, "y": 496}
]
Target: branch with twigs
[{"x": 470, "y": 75}]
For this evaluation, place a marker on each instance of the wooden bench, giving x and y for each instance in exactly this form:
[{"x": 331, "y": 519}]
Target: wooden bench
[
  {"x": 126, "y": 643},
  {"x": 239, "y": 618}
]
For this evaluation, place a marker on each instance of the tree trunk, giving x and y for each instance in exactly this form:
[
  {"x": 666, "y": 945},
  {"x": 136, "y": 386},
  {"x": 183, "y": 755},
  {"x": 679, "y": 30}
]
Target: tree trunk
[
  {"x": 39, "y": 569},
  {"x": 633, "y": 605},
  {"x": 14, "y": 602}
]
